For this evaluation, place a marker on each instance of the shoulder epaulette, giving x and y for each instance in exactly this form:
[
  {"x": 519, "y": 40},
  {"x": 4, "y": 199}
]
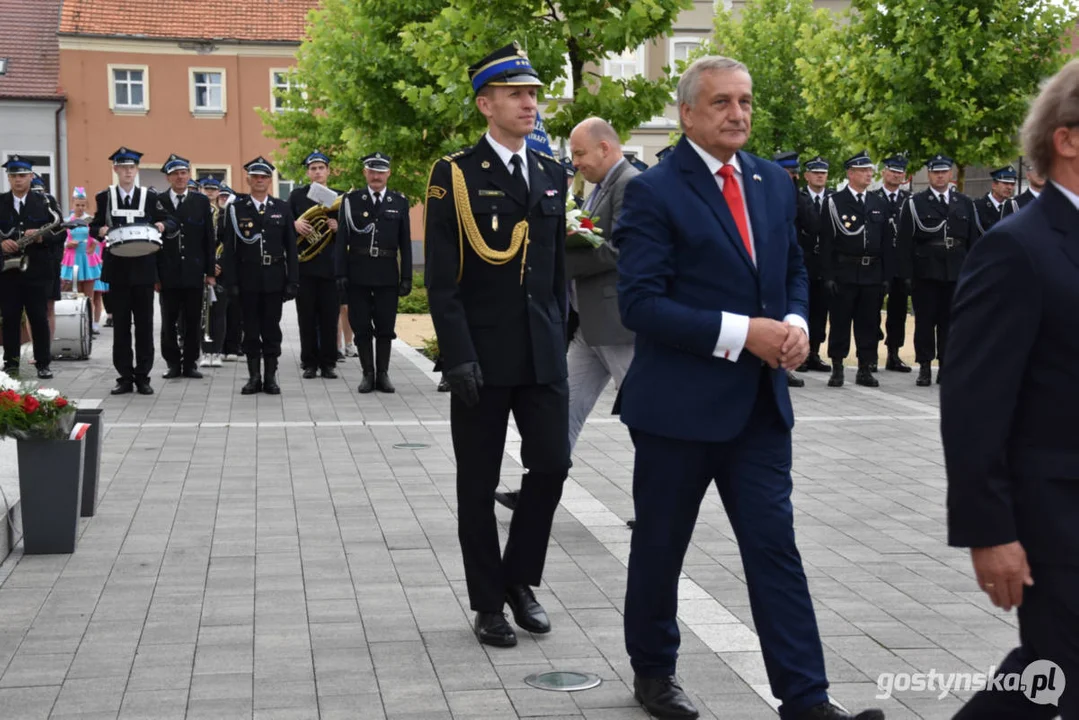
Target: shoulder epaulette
[
  {"x": 459, "y": 153},
  {"x": 544, "y": 155}
]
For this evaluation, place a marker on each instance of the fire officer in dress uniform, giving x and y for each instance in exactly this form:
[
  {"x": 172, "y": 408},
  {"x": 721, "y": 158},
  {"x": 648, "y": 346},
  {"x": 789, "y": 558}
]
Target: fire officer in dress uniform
[
  {"x": 260, "y": 262},
  {"x": 22, "y": 212},
  {"x": 803, "y": 216},
  {"x": 816, "y": 192},
  {"x": 895, "y": 175},
  {"x": 856, "y": 252},
  {"x": 372, "y": 230},
  {"x": 936, "y": 228},
  {"x": 317, "y": 306},
  {"x": 185, "y": 265},
  {"x": 997, "y": 204},
  {"x": 495, "y": 241},
  {"x": 131, "y": 279}
]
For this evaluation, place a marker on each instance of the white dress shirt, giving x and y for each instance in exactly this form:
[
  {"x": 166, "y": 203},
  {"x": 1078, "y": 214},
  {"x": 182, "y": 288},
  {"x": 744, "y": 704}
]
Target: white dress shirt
[
  {"x": 993, "y": 199},
  {"x": 1067, "y": 193},
  {"x": 817, "y": 196},
  {"x": 735, "y": 327},
  {"x": 19, "y": 201},
  {"x": 1036, "y": 193},
  {"x": 504, "y": 154}
]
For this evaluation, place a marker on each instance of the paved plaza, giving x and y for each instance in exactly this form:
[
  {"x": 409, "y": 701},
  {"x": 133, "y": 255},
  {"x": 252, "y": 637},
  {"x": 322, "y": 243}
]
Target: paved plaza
[{"x": 297, "y": 557}]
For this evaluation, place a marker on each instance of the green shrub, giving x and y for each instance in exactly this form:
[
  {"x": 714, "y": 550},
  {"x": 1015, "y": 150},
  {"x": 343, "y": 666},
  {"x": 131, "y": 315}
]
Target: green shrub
[
  {"x": 415, "y": 303},
  {"x": 430, "y": 348}
]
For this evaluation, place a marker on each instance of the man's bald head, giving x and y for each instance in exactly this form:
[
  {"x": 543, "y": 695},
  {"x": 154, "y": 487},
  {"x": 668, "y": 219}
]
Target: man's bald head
[{"x": 595, "y": 148}]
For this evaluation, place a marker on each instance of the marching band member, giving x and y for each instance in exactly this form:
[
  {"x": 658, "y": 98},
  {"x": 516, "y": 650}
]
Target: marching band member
[
  {"x": 260, "y": 261},
  {"x": 131, "y": 279}
]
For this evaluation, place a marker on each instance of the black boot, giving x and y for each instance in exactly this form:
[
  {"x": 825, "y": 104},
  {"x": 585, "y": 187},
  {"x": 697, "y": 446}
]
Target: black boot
[
  {"x": 794, "y": 381},
  {"x": 813, "y": 362},
  {"x": 837, "y": 373},
  {"x": 254, "y": 377},
  {"x": 382, "y": 364},
  {"x": 367, "y": 362},
  {"x": 894, "y": 363},
  {"x": 269, "y": 385},
  {"x": 865, "y": 375},
  {"x": 925, "y": 375}
]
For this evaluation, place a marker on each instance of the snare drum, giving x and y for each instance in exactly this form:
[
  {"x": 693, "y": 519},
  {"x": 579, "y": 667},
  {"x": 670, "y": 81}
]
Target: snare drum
[
  {"x": 133, "y": 240},
  {"x": 73, "y": 340}
]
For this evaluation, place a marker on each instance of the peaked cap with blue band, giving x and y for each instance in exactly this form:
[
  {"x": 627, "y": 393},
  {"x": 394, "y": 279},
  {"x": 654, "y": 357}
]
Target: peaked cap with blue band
[
  {"x": 859, "y": 161},
  {"x": 505, "y": 66},
  {"x": 18, "y": 165},
  {"x": 939, "y": 162},
  {"x": 786, "y": 160},
  {"x": 174, "y": 163},
  {"x": 259, "y": 166},
  {"x": 210, "y": 182},
  {"x": 125, "y": 156},
  {"x": 898, "y": 163},
  {"x": 1005, "y": 174},
  {"x": 817, "y": 164},
  {"x": 316, "y": 156}
]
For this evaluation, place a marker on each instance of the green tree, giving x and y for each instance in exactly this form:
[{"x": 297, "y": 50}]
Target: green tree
[
  {"x": 764, "y": 36},
  {"x": 393, "y": 76},
  {"x": 950, "y": 76}
]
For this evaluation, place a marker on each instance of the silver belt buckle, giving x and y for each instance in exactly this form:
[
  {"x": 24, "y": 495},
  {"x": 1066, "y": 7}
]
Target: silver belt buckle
[
  {"x": 373, "y": 251},
  {"x": 949, "y": 243},
  {"x": 866, "y": 260},
  {"x": 816, "y": 249},
  {"x": 267, "y": 260}
]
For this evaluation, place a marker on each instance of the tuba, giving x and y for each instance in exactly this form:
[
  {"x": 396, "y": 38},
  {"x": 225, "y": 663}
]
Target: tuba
[{"x": 309, "y": 245}]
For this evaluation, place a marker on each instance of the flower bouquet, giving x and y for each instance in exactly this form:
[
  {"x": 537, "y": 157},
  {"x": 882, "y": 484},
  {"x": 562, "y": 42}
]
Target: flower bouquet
[
  {"x": 581, "y": 229},
  {"x": 33, "y": 413}
]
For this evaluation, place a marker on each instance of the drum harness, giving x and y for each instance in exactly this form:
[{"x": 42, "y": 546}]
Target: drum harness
[{"x": 129, "y": 215}]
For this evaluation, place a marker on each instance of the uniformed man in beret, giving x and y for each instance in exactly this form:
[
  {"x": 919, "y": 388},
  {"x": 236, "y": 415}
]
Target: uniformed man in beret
[
  {"x": 22, "y": 213},
  {"x": 894, "y": 176},
  {"x": 936, "y": 229},
  {"x": 185, "y": 266},
  {"x": 816, "y": 192},
  {"x": 998, "y": 203},
  {"x": 856, "y": 239},
  {"x": 260, "y": 264},
  {"x": 131, "y": 279},
  {"x": 317, "y": 306},
  {"x": 495, "y": 235}
]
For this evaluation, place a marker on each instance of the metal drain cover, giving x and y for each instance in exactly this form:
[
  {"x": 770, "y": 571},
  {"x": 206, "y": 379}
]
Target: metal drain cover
[
  {"x": 563, "y": 681},
  {"x": 410, "y": 446}
]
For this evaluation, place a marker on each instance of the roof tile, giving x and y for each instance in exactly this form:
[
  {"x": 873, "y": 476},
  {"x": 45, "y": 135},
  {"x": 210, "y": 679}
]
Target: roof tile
[{"x": 33, "y": 67}]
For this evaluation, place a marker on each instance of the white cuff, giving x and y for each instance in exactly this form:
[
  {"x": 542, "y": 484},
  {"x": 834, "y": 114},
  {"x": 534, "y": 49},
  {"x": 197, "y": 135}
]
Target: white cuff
[
  {"x": 732, "y": 336},
  {"x": 797, "y": 321}
]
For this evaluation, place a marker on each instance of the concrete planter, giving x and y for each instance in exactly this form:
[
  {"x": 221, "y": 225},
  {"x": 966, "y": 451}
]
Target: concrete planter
[
  {"x": 50, "y": 489},
  {"x": 92, "y": 466}
]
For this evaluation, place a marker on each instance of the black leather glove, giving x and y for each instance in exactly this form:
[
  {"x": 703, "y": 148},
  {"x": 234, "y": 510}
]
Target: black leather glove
[
  {"x": 342, "y": 284},
  {"x": 832, "y": 287},
  {"x": 887, "y": 287},
  {"x": 291, "y": 291},
  {"x": 465, "y": 382},
  {"x": 404, "y": 288}
]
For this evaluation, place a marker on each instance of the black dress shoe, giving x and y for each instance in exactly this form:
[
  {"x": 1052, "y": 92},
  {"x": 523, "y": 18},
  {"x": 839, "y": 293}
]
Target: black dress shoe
[
  {"x": 507, "y": 499},
  {"x": 172, "y": 372},
  {"x": 12, "y": 371},
  {"x": 367, "y": 384},
  {"x": 828, "y": 711},
  {"x": 383, "y": 384},
  {"x": 865, "y": 377},
  {"x": 631, "y": 523},
  {"x": 143, "y": 387},
  {"x": 310, "y": 373},
  {"x": 814, "y": 363},
  {"x": 44, "y": 373},
  {"x": 123, "y": 388},
  {"x": 527, "y": 612},
  {"x": 492, "y": 629},
  {"x": 794, "y": 381},
  {"x": 837, "y": 374},
  {"x": 329, "y": 373},
  {"x": 193, "y": 374},
  {"x": 443, "y": 385},
  {"x": 895, "y": 364},
  {"x": 108, "y": 322},
  {"x": 925, "y": 376},
  {"x": 663, "y": 697}
]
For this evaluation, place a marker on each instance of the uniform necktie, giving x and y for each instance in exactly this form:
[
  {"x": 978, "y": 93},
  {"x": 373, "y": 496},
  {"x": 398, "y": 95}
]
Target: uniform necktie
[
  {"x": 378, "y": 202},
  {"x": 816, "y": 202},
  {"x": 261, "y": 207},
  {"x": 126, "y": 202},
  {"x": 942, "y": 200},
  {"x": 861, "y": 202},
  {"x": 891, "y": 198},
  {"x": 519, "y": 175},
  {"x": 180, "y": 200},
  {"x": 733, "y": 195}
]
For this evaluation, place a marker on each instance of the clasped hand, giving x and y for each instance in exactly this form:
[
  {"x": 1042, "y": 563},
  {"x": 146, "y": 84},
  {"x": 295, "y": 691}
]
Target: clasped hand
[{"x": 779, "y": 344}]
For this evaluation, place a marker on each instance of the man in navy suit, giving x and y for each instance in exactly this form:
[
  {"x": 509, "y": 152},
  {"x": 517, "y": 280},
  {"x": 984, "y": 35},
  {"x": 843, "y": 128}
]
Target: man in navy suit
[
  {"x": 1008, "y": 418},
  {"x": 713, "y": 284}
]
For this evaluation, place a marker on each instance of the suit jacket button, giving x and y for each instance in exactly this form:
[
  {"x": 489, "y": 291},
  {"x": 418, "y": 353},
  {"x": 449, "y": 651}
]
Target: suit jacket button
[{"x": 764, "y": 306}]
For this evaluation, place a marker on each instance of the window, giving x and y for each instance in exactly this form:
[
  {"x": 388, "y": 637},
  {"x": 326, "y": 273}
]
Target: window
[
  {"x": 208, "y": 91},
  {"x": 42, "y": 163},
  {"x": 201, "y": 172},
  {"x": 682, "y": 46},
  {"x": 129, "y": 88},
  {"x": 625, "y": 65},
  {"x": 281, "y": 82},
  {"x": 284, "y": 188}
]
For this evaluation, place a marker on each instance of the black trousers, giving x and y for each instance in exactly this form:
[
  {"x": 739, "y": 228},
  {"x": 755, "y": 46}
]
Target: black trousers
[
  {"x": 262, "y": 324},
  {"x": 132, "y": 303},
  {"x": 932, "y": 300},
  {"x": 1048, "y": 630},
  {"x": 372, "y": 310},
  {"x": 234, "y": 327},
  {"x": 896, "y": 325},
  {"x": 818, "y": 311},
  {"x": 317, "y": 312},
  {"x": 218, "y": 315},
  {"x": 479, "y": 438},
  {"x": 181, "y": 318},
  {"x": 17, "y": 295},
  {"x": 858, "y": 305}
]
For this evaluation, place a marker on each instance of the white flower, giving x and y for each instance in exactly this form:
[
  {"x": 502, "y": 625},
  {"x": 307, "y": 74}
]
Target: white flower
[
  {"x": 8, "y": 383},
  {"x": 47, "y": 393}
]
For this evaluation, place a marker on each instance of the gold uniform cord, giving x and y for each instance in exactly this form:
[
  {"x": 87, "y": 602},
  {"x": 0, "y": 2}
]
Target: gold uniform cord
[{"x": 466, "y": 227}]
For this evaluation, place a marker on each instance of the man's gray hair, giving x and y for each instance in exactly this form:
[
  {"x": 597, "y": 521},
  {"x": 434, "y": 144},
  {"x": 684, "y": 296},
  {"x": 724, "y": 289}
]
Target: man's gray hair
[
  {"x": 1056, "y": 106},
  {"x": 690, "y": 82}
]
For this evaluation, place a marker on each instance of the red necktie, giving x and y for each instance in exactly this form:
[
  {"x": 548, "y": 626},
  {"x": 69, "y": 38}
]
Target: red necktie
[{"x": 733, "y": 195}]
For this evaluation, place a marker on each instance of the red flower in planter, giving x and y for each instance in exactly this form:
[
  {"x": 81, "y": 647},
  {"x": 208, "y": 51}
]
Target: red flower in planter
[
  {"x": 60, "y": 402},
  {"x": 11, "y": 396},
  {"x": 30, "y": 404}
]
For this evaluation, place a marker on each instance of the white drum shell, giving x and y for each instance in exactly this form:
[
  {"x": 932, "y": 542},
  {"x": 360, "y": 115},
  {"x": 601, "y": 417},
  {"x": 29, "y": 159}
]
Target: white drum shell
[
  {"x": 73, "y": 339},
  {"x": 133, "y": 240}
]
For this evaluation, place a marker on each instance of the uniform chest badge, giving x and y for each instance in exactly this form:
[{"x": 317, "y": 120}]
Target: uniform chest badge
[
  {"x": 550, "y": 192},
  {"x": 365, "y": 213},
  {"x": 494, "y": 223},
  {"x": 485, "y": 165}
]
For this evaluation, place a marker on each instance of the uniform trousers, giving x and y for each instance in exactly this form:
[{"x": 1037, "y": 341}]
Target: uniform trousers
[
  {"x": 1048, "y": 630},
  {"x": 932, "y": 301},
  {"x": 218, "y": 314},
  {"x": 234, "y": 327},
  {"x": 372, "y": 307},
  {"x": 590, "y": 369},
  {"x": 479, "y": 438},
  {"x": 752, "y": 472},
  {"x": 181, "y": 326},
  {"x": 896, "y": 325},
  {"x": 858, "y": 305},
  {"x": 17, "y": 295},
  {"x": 818, "y": 311},
  {"x": 317, "y": 312},
  {"x": 262, "y": 323},
  {"x": 132, "y": 303}
]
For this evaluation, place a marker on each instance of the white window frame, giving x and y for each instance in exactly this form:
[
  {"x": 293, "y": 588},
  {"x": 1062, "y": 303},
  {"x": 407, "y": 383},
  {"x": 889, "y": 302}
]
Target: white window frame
[
  {"x": 274, "y": 102},
  {"x": 208, "y": 112},
  {"x": 50, "y": 169},
  {"x": 675, "y": 40},
  {"x": 128, "y": 109},
  {"x": 642, "y": 63},
  {"x": 214, "y": 167},
  {"x": 635, "y": 150},
  {"x": 567, "y": 90},
  {"x": 277, "y": 180}
]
